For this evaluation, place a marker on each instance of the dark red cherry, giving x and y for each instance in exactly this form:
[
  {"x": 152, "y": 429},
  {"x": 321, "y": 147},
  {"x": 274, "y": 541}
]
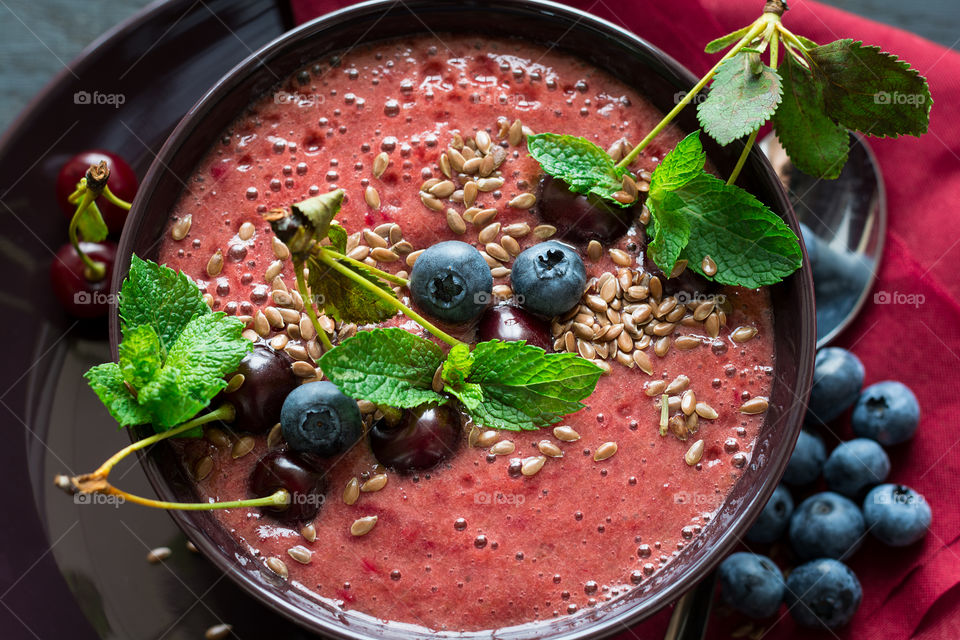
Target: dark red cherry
[
  {"x": 122, "y": 183},
  {"x": 79, "y": 296},
  {"x": 421, "y": 439},
  {"x": 580, "y": 218},
  {"x": 267, "y": 380},
  {"x": 301, "y": 475},
  {"x": 504, "y": 322}
]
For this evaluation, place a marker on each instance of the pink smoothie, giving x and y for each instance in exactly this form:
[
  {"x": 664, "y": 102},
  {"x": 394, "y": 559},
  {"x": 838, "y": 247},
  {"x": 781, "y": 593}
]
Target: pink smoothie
[{"x": 468, "y": 546}]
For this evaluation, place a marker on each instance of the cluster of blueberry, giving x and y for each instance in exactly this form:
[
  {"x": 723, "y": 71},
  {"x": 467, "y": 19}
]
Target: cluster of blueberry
[{"x": 829, "y": 526}]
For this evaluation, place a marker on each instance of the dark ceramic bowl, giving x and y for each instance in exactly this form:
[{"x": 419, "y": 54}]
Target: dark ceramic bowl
[{"x": 606, "y": 46}]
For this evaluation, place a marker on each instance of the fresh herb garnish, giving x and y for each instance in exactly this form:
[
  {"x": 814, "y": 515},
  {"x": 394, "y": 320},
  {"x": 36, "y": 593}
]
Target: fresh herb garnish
[{"x": 813, "y": 99}]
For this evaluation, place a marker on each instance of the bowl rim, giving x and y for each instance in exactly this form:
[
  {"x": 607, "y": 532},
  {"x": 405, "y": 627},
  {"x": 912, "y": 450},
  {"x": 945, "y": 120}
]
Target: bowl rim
[{"x": 596, "y": 626}]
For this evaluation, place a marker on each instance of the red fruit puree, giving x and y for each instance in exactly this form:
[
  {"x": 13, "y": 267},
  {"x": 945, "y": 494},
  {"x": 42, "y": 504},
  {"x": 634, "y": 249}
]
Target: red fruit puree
[{"x": 468, "y": 546}]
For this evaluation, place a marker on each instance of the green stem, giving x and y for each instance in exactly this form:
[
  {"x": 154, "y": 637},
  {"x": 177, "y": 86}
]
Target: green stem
[
  {"x": 755, "y": 30},
  {"x": 113, "y": 199},
  {"x": 331, "y": 262},
  {"x": 383, "y": 275},
  {"x": 308, "y": 306},
  {"x": 94, "y": 271}
]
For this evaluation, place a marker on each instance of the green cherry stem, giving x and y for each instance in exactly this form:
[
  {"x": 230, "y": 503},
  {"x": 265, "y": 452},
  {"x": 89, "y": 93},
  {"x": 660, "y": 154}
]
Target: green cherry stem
[
  {"x": 94, "y": 271},
  {"x": 758, "y": 27},
  {"x": 383, "y": 275},
  {"x": 326, "y": 258},
  {"x": 308, "y": 306},
  {"x": 96, "y": 482},
  {"x": 113, "y": 199}
]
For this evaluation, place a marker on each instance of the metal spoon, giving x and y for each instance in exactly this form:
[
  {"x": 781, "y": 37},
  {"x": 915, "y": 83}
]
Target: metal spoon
[{"x": 844, "y": 222}]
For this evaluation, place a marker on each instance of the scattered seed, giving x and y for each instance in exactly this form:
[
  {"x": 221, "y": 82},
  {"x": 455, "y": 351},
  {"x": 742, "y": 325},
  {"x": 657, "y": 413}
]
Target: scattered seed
[
  {"x": 755, "y": 405},
  {"x": 300, "y": 553},
  {"x": 372, "y": 197},
  {"x": 181, "y": 227},
  {"x": 470, "y": 193},
  {"x": 623, "y": 197},
  {"x": 488, "y": 438},
  {"x": 712, "y": 325},
  {"x": 380, "y": 164},
  {"x": 489, "y": 184},
  {"x": 261, "y": 325},
  {"x": 431, "y": 202},
  {"x": 743, "y": 334},
  {"x": 363, "y": 526},
  {"x": 644, "y": 364},
  {"x": 500, "y": 272},
  {"x": 246, "y": 231},
  {"x": 243, "y": 446},
  {"x": 515, "y": 133},
  {"x": 694, "y": 453},
  {"x": 443, "y": 189},
  {"x": 159, "y": 555},
  {"x": 489, "y": 233},
  {"x": 565, "y": 433},
  {"x": 215, "y": 264},
  {"x": 549, "y": 448},
  {"x": 483, "y": 141},
  {"x": 303, "y": 369},
  {"x": 685, "y": 343},
  {"x": 594, "y": 250},
  {"x": 437, "y": 383},
  {"x": 586, "y": 350},
  {"x": 375, "y": 483},
  {"x": 384, "y": 255},
  {"x": 706, "y": 411},
  {"x": 250, "y": 335},
  {"x": 708, "y": 266},
  {"x": 503, "y": 448},
  {"x": 275, "y": 437},
  {"x": 412, "y": 256},
  {"x": 351, "y": 492},
  {"x": 604, "y": 451},
  {"x": 235, "y": 382},
  {"x": 688, "y": 402},
  {"x": 277, "y": 566},
  {"x": 282, "y": 298},
  {"x": 531, "y": 466},
  {"x": 497, "y": 252},
  {"x": 678, "y": 385},
  {"x": 620, "y": 258},
  {"x": 217, "y": 632},
  {"x": 502, "y": 291},
  {"x": 280, "y": 250},
  {"x": 661, "y": 346},
  {"x": 523, "y": 201},
  {"x": 544, "y": 231}
]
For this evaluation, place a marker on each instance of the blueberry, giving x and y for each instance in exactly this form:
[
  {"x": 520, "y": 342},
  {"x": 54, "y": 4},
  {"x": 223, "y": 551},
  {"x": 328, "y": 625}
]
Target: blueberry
[
  {"x": 887, "y": 412},
  {"x": 548, "y": 278},
  {"x": 896, "y": 515},
  {"x": 823, "y": 593},
  {"x": 807, "y": 460},
  {"x": 837, "y": 379},
  {"x": 752, "y": 584},
  {"x": 826, "y": 525},
  {"x": 318, "y": 418},
  {"x": 452, "y": 282},
  {"x": 774, "y": 518},
  {"x": 855, "y": 465}
]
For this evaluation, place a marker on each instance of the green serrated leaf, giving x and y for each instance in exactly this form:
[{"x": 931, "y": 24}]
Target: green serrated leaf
[
  {"x": 751, "y": 246},
  {"x": 386, "y": 366},
  {"x": 872, "y": 91},
  {"x": 815, "y": 143},
  {"x": 741, "y": 98},
  {"x": 457, "y": 366},
  {"x": 671, "y": 231},
  {"x": 721, "y": 43},
  {"x": 585, "y": 167},
  {"x": 343, "y": 299},
  {"x": 806, "y": 42},
  {"x": 90, "y": 224},
  {"x": 680, "y": 166},
  {"x": 158, "y": 296},
  {"x": 107, "y": 382},
  {"x": 338, "y": 238},
  {"x": 319, "y": 211},
  {"x": 140, "y": 358}
]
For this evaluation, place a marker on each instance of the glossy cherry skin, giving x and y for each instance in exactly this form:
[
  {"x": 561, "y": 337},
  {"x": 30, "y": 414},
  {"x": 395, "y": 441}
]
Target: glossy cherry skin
[
  {"x": 422, "y": 438},
  {"x": 580, "y": 218},
  {"x": 122, "y": 183},
  {"x": 301, "y": 475},
  {"x": 506, "y": 323},
  {"x": 268, "y": 379},
  {"x": 80, "y": 297}
]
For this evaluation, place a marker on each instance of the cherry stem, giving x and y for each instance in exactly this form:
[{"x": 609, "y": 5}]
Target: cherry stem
[
  {"x": 113, "y": 199},
  {"x": 774, "y": 38},
  {"x": 325, "y": 257},
  {"x": 308, "y": 306},
  {"x": 96, "y": 482},
  {"x": 383, "y": 275},
  {"x": 94, "y": 271}
]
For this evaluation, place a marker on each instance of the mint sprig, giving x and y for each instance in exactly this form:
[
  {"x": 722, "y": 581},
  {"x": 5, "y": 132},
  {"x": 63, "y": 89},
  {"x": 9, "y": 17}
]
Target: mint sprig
[
  {"x": 585, "y": 167},
  {"x": 745, "y": 93},
  {"x": 695, "y": 215},
  {"x": 174, "y": 353}
]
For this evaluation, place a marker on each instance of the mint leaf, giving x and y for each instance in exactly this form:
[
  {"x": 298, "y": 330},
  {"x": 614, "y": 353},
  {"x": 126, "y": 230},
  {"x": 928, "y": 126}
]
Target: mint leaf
[
  {"x": 139, "y": 355},
  {"x": 386, "y": 366},
  {"x": 680, "y": 166},
  {"x": 704, "y": 216},
  {"x": 107, "y": 382},
  {"x": 338, "y": 238},
  {"x": 343, "y": 299},
  {"x": 457, "y": 366},
  {"x": 815, "y": 143},
  {"x": 319, "y": 211},
  {"x": 585, "y": 167},
  {"x": 90, "y": 224},
  {"x": 721, "y": 43},
  {"x": 160, "y": 297},
  {"x": 744, "y": 94},
  {"x": 872, "y": 91}
]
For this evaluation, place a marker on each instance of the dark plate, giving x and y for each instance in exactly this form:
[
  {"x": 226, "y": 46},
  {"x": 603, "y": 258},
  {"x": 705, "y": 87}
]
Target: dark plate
[
  {"x": 71, "y": 570},
  {"x": 606, "y": 46}
]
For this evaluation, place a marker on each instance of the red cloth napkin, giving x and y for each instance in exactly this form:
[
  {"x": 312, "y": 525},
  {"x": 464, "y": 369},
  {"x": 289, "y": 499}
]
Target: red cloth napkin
[{"x": 907, "y": 592}]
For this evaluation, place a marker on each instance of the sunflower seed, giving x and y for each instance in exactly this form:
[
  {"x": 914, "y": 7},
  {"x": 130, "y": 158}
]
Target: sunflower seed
[
  {"x": 743, "y": 334},
  {"x": 604, "y": 451},
  {"x": 181, "y": 227},
  {"x": 380, "y": 164},
  {"x": 549, "y": 448},
  {"x": 375, "y": 483},
  {"x": 523, "y": 201},
  {"x": 300, "y": 553},
  {"x": 755, "y": 405},
  {"x": 351, "y": 492},
  {"x": 565, "y": 433},
  {"x": 531, "y": 466},
  {"x": 694, "y": 453},
  {"x": 503, "y": 448},
  {"x": 159, "y": 555},
  {"x": 277, "y": 566}
]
